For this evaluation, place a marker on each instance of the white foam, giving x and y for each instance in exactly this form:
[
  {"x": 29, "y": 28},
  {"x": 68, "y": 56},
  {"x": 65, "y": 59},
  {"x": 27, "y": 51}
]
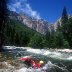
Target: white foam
[
  {"x": 56, "y": 55},
  {"x": 37, "y": 51},
  {"x": 53, "y": 54},
  {"x": 65, "y": 50},
  {"x": 9, "y": 47},
  {"x": 69, "y": 58},
  {"x": 24, "y": 69},
  {"x": 47, "y": 52}
]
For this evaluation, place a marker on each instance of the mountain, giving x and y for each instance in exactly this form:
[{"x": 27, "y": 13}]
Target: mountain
[
  {"x": 39, "y": 25},
  {"x": 23, "y": 30},
  {"x": 58, "y": 22},
  {"x": 17, "y": 33}
]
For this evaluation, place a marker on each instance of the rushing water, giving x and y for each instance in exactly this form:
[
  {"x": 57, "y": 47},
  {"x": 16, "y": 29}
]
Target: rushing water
[{"x": 56, "y": 60}]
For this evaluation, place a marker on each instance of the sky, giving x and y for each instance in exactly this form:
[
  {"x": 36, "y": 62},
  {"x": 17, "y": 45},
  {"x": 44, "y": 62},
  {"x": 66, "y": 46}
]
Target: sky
[{"x": 49, "y": 10}]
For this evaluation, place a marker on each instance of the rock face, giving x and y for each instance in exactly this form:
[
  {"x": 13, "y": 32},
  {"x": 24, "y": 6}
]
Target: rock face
[
  {"x": 58, "y": 22},
  {"x": 39, "y": 25}
]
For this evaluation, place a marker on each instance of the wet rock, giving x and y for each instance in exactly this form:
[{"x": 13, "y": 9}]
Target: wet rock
[{"x": 5, "y": 67}]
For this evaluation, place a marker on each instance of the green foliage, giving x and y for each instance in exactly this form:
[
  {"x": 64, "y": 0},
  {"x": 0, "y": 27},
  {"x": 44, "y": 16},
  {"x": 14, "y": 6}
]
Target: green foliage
[
  {"x": 36, "y": 41},
  {"x": 66, "y": 44},
  {"x": 64, "y": 18},
  {"x": 58, "y": 26},
  {"x": 49, "y": 40},
  {"x": 46, "y": 40},
  {"x": 68, "y": 32},
  {"x": 59, "y": 39},
  {"x": 66, "y": 29},
  {"x": 16, "y": 33}
]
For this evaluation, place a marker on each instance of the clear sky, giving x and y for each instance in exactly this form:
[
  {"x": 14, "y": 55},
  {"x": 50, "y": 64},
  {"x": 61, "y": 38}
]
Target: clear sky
[{"x": 49, "y": 10}]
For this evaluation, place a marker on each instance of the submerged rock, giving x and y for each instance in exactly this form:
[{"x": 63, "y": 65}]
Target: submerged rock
[{"x": 5, "y": 67}]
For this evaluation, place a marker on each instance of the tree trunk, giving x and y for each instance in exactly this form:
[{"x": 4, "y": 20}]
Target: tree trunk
[{"x": 3, "y": 16}]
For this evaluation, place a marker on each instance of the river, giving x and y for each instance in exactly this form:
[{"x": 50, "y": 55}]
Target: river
[{"x": 56, "y": 60}]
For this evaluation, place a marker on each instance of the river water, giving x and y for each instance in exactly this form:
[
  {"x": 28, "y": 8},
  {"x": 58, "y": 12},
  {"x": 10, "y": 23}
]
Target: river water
[{"x": 56, "y": 60}]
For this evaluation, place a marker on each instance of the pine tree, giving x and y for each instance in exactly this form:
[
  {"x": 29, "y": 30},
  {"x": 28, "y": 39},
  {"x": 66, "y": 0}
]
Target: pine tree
[
  {"x": 64, "y": 18},
  {"x": 59, "y": 39},
  {"x": 52, "y": 37},
  {"x": 58, "y": 26},
  {"x": 69, "y": 31},
  {"x": 46, "y": 41},
  {"x": 36, "y": 41}
]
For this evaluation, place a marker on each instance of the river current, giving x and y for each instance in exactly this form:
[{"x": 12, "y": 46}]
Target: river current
[{"x": 56, "y": 60}]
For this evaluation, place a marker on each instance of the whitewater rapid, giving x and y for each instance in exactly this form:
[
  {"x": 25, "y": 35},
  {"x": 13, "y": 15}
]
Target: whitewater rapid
[
  {"x": 56, "y": 59},
  {"x": 63, "y": 54}
]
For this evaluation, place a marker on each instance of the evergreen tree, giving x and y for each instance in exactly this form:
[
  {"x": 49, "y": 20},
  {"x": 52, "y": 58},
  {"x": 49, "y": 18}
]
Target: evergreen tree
[
  {"x": 52, "y": 41},
  {"x": 46, "y": 41},
  {"x": 58, "y": 26},
  {"x": 59, "y": 39},
  {"x": 52, "y": 37},
  {"x": 69, "y": 31},
  {"x": 64, "y": 17},
  {"x": 17, "y": 39},
  {"x": 36, "y": 41},
  {"x": 66, "y": 44},
  {"x": 64, "y": 20}
]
